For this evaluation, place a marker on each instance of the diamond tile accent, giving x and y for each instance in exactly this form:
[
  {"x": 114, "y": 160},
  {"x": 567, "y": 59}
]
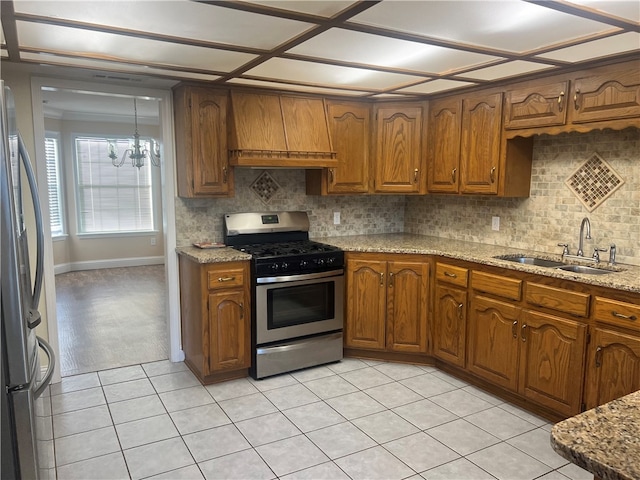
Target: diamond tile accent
[
  {"x": 265, "y": 187},
  {"x": 594, "y": 182}
]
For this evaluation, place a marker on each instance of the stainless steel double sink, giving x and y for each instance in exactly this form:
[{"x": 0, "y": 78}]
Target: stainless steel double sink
[{"x": 543, "y": 262}]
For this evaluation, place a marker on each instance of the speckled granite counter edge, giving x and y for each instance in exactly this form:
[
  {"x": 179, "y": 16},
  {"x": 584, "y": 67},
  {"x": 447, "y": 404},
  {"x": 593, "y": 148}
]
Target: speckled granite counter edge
[
  {"x": 627, "y": 280},
  {"x": 605, "y": 440}
]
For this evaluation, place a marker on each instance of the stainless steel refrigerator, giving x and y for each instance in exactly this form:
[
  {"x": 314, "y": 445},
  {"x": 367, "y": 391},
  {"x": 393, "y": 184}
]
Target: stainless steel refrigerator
[{"x": 27, "y": 436}]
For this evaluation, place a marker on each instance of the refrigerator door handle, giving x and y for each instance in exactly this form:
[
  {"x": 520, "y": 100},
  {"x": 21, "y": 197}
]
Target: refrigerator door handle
[
  {"x": 47, "y": 376},
  {"x": 37, "y": 287}
]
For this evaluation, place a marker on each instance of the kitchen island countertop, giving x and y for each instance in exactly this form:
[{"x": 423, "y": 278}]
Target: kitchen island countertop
[
  {"x": 628, "y": 279},
  {"x": 604, "y": 440}
]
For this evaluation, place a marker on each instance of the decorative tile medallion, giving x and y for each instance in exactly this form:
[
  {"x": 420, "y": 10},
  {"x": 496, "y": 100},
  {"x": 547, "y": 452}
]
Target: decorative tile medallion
[
  {"x": 265, "y": 187},
  {"x": 594, "y": 182}
]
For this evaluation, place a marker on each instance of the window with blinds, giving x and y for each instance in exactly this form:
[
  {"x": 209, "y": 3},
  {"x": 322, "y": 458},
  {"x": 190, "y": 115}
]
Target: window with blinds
[
  {"x": 111, "y": 199},
  {"x": 54, "y": 183}
]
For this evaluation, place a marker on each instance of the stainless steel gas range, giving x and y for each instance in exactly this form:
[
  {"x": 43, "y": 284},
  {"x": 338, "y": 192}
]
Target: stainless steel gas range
[{"x": 297, "y": 291}]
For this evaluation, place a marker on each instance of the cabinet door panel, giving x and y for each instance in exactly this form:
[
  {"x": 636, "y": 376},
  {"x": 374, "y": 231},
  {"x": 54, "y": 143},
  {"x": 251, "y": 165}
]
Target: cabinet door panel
[
  {"x": 493, "y": 341},
  {"x": 398, "y": 152},
  {"x": 228, "y": 331},
  {"x": 480, "y": 145},
  {"x": 450, "y": 323},
  {"x": 305, "y": 124},
  {"x": 613, "y": 368},
  {"x": 407, "y": 306},
  {"x": 608, "y": 96},
  {"x": 539, "y": 106},
  {"x": 351, "y": 132},
  {"x": 552, "y": 361},
  {"x": 445, "y": 119},
  {"x": 366, "y": 302}
]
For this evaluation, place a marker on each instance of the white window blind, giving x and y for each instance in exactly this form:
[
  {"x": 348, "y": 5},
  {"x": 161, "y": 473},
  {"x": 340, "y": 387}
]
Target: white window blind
[
  {"x": 111, "y": 199},
  {"x": 54, "y": 184}
]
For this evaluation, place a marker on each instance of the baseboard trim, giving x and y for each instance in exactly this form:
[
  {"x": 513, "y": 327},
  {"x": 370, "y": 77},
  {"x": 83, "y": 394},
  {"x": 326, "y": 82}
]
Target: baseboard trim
[{"x": 111, "y": 263}]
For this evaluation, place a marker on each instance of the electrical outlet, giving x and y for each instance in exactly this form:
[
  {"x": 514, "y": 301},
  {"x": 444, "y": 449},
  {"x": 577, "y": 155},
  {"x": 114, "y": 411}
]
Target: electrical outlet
[
  {"x": 336, "y": 218},
  {"x": 495, "y": 223},
  {"x": 153, "y": 240}
]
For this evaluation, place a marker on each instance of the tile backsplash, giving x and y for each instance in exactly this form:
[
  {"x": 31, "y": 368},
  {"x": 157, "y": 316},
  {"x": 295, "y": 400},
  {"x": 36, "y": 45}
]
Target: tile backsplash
[
  {"x": 552, "y": 214},
  {"x": 201, "y": 219}
]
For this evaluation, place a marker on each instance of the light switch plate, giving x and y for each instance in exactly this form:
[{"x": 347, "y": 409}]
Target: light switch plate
[
  {"x": 336, "y": 218},
  {"x": 495, "y": 223}
]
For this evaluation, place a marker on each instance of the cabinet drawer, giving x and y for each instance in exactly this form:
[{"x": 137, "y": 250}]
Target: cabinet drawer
[
  {"x": 560, "y": 299},
  {"x": 613, "y": 312},
  {"x": 497, "y": 285},
  {"x": 225, "y": 278},
  {"x": 451, "y": 274}
]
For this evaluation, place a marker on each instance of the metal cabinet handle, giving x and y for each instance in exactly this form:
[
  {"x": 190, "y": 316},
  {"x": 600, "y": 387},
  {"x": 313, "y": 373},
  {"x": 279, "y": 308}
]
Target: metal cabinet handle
[
  {"x": 492, "y": 175},
  {"x": 598, "y": 357},
  {"x": 241, "y": 310},
  {"x": 575, "y": 99},
  {"x": 224, "y": 175},
  {"x": 331, "y": 175},
  {"x": 523, "y": 332},
  {"x": 415, "y": 176},
  {"x": 452, "y": 275},
  {"x": 460, "y": 307},
  {"x": 453, "y": 175},
  {"x": 514, "y": 329},
  {"x": 381, "y": 279},
  {"x": 633, "y": 318},
  {"x": 560, "y": 101},
  {"x": 391, "y": 279},
  {"x": 226, "y": 279}
]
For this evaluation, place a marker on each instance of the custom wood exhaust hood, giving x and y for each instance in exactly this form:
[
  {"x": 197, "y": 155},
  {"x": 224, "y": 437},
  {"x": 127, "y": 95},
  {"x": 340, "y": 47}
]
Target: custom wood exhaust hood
[{"x": 270, "y": 130}]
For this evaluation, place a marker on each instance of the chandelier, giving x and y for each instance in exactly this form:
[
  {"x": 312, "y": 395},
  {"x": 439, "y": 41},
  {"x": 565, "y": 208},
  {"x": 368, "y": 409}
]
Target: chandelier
[{"x": 136, "y": 153}]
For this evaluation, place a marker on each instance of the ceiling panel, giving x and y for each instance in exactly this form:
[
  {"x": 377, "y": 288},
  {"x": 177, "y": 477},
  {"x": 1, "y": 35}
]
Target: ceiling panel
[
  {"x": 315, "y": 7},
  {"x": 435, "y": 86},
  {"x": 629, "y": 9},
  {"x": 506, "y": 70},
  {"x": 288, "y": 86},
  {"x": 627, "y": 42},
  {"x": 349, "y": 46},
  {"x": 506, "y": 25},
  {"x": 113, "y": 67},
  {"x": 320, "y": 74},
  {"x": 121, "y": 48},
  {"x": 175, "y": 18}
]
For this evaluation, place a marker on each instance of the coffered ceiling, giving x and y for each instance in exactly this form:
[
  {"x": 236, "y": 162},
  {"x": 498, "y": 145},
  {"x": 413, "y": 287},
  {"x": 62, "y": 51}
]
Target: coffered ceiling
[{"x": 363, "y": 48}]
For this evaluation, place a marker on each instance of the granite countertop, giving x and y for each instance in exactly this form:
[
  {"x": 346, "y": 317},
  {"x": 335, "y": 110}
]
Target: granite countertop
[
  {"x": 628, "y": 279},
  {"x": 604, "y": 440}
]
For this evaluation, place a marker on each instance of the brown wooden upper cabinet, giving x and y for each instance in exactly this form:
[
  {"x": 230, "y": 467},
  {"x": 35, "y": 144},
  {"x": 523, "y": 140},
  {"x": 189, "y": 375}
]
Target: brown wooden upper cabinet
[
  {"x": 464, "y": 144},
  {"x": 608, "y": 94},
  {"x": 272, "y": 130},
  {"x": 399, "y": 160},
  {"x": 350, "y": 129},
  {"x": 201, "y": 142}
]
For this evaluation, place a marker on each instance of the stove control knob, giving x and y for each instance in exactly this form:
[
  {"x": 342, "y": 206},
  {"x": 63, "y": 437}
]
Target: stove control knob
[
  {"x": 275, "y": 267},
  {"x": 320, "y": 262},
  {"x": 304, "y": 264},
  {"x": 284, "y": 266},
  {"x": 331, "y": 261}
]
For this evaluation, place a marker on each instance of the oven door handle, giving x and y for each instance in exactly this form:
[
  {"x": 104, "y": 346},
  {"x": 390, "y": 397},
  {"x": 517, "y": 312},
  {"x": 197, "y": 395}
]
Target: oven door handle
[{"x": 295, "y": 278}]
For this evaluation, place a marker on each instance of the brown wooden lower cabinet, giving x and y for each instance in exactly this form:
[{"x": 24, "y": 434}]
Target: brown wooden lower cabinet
[
  {"x": 216, "y": 318},
  {"x": 386, "y": 307},
  {"x": 450, "y": 324},
  {"x": 613, "y": 366}
]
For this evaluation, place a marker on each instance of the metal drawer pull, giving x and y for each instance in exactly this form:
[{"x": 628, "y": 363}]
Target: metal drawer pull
[
  {"x": 575, "y": 99},
  {"x": 492, "y": 174},
  {"x": 460, "y": 307},
  {"x": 560, "y": 99},
  {"x": 453, "y": 175},
  {"x": 415, "y": 176},
  {"x": 452, "y": 275},
  {"x": 514, "y": 329},
  {"x": 633, "y": 318},
  {"x": 391, "y": 279},
  {"x": 381, "y": 279},
  {"x": 523, "y": 332},
  {"x": 331, "y": 175},
  {"x": 226, "y": 279},
  {"x": 599, "y": 357}
]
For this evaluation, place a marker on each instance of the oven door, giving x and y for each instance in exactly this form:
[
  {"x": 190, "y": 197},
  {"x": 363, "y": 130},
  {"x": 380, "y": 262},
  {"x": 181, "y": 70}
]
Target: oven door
[{"x": 297, "y": 305}]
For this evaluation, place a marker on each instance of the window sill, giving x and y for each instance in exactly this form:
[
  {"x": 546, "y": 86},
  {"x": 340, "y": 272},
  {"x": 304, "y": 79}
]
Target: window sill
[{"x": 88, "y": 236}]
